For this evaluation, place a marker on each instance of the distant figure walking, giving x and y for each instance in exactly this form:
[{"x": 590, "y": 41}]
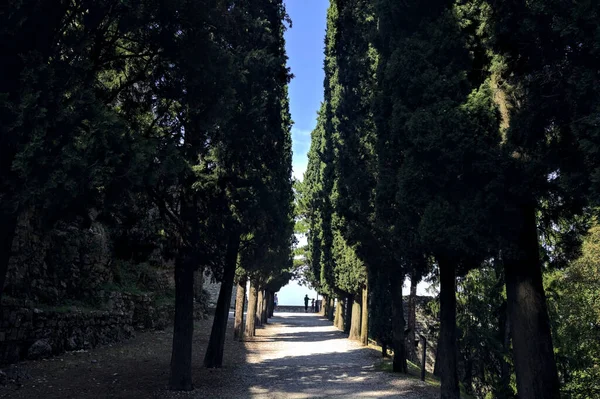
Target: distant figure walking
[
  {"x": 306, "y": 303},
  {"x": 275, "y": 301},
  {"x": 312, "y": 306}
]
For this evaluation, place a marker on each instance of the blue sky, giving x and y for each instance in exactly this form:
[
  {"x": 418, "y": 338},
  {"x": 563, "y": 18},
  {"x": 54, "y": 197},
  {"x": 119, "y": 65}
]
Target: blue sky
[{"x": 304, "y": 45}]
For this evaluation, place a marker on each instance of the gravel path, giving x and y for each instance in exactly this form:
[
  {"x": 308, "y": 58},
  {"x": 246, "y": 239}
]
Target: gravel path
[
  {"x": 303, "y": 356},
  {"x": 296, "y": 355}
]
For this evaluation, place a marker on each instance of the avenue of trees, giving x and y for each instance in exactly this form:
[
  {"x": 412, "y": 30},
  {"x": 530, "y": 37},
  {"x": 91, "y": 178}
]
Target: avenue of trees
[
  {"x": 458, "y": 139},
  {"x": 169, "y": 117},
  {"x": 461, "y": 139}
]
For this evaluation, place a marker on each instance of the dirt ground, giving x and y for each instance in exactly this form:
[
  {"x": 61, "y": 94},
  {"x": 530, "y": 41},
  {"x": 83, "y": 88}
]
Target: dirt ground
[
  {"x": 295, "y": 356},
  {"x": 136, "y": 368}
]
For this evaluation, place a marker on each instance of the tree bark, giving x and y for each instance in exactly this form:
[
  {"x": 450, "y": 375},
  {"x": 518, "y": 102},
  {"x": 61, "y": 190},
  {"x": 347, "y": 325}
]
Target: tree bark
[
  {"x": 411, "y": 349},
  {"x": 331, "y": 309},
  {"x": 324, "y": 306},
  {"x": 356, "y": 319},
  {"x": 251, "y": 315},
  {"x": 265, "y": 305},
  {"x": 259, "y": 308},
  {"x": 399, "y": 361},
  {"x": 338, "y": 320},
  {"x": 437, "y": 364},
  {"x": 535, "y": 366},
  {"x": 364, "y": 316},
  {"x": 183, "y": 325},
  {"x": 198, "y": 283},
  {"x": 384, "y": 352},
  {"x": 447, "y": 350},
  {"x": 8, "y": 227},
  {"x": 240, "y": 300},
  {"x": 271, "y": 303},
  {"x": 348, "y": 313},
  {"x": 214, "y": 352}
]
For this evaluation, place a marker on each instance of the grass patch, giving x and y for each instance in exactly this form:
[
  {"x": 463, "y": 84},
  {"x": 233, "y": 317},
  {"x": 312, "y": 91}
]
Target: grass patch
[{"x": 414, "y": 371}]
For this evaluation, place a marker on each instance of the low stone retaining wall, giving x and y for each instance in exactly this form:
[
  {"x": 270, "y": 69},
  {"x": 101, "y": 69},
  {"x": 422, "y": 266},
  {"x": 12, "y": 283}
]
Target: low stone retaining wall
[
  {"x": 27, "y": 332},
  {"x": 34, "y": 333},
  {"x": 291, "y": 309}
]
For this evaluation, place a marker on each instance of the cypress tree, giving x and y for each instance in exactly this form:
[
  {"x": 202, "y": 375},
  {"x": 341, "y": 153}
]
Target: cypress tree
[
  {"x": 544, "y": 68},
  {"x": 438, "y": 138}
]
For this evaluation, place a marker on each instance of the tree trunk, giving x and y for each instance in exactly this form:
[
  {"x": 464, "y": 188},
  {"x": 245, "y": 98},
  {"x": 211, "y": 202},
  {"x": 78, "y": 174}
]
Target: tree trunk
[
  {"x": 265, "y": 304},
  {"x": 271, "y": 303},
  {"x": 338, "y": 320},
  {"x": 356, "y": 320},
  {"x": 240, "y": 301},
  {"x": 535, "y": 366},
  {"x": 214, "y": 352},
  {"x": 399, "y": 362},
  {"x": 331, "y": 309},
  {"x": 183, "y": 325},
  {"x": 437, "y": 365},
  {"x": 259, "y": 308},
  {"x": 8, "y": 226},
  {"x": 251, "y": 315},
  {"x": 447, "y": 350},
  {"x": 384, "y": 352},
  {"x": 324, "y": 306},
  {"x": 364, "y": 323},
  {"x": 411, "y": 349},
  {"x": 198, "y": 283},
  {"x": 348, "y": 313}
]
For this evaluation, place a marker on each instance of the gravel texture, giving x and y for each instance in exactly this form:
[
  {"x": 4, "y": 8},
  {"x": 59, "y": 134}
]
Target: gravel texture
[
  {"x": 295, "y": 356},
  {"x": 303, "y": 356}
]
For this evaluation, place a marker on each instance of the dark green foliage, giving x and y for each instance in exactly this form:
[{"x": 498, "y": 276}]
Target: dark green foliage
[
  {"x": 461, "y": 131},
  {"x": 311, "y": 194},
  {"x": 484, "y": 339},
  {"x": 573, "y": 303},
  {"x": 168, "y": 119},
  {"x": 380, "y": 309}
]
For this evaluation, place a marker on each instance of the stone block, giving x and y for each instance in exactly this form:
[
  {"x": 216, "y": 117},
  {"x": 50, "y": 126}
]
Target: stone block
[{"x": 40, "y": 349}]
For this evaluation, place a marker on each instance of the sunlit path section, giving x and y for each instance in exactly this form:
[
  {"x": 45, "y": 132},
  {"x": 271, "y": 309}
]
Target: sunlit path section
[{"x": 303, "y": 356}]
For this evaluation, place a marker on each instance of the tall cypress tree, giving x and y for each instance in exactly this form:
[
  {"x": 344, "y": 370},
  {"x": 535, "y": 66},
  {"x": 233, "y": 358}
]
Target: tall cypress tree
[
  {"x": 545, "y": 70},
  {"x": 438, "y": 143},
  {"x": 312, "y": 193},
  {"x": 352, "y": 61},
  {"x": 256, "y": 160}
]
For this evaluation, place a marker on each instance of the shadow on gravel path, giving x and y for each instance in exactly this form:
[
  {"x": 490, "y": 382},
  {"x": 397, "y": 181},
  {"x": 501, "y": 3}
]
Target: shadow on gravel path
[
  {"x": 295, "y": 356},
  {"x": 304, "y": 356}
]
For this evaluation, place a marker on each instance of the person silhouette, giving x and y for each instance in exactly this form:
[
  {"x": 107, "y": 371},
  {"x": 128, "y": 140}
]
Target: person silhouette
[
  {"x": 312, "y": 305},
  {"x": 306, "y": 303}
]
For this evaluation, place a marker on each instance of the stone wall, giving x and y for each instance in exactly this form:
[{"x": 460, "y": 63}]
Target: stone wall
[
  {"x": 65, "y": 289},
  {"x": 34, "y": 333},
  {"x": 69, "y": 261},
  {"x": 212, "y": 287},
  {"x": 427, "y": 325},
  {"x": 28, "y": 332}
]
